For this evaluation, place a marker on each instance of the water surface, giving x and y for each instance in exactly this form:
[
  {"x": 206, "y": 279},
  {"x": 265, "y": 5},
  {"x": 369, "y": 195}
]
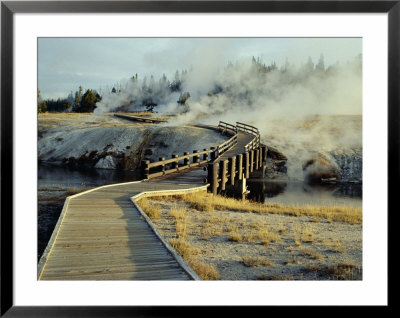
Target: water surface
[
  {"x": 300, "y": 193},
  {"x": 55, "y": 177}
]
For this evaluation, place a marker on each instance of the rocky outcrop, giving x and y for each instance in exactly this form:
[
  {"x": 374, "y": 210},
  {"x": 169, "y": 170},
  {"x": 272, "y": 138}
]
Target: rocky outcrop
[
  {"x": 108, "y": 162},
  {"x": 121, "y": 147},
  {"x": 319, "y": 169},
  {"x": 343, "y": 165},
  {"x": 276, "y": 164},
  {"x": 349, "y": 162}
]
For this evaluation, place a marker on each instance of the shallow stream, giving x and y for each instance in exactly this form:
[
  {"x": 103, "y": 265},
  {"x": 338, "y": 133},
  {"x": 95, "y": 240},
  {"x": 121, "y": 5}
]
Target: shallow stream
[{"x": 300, "y": 193}]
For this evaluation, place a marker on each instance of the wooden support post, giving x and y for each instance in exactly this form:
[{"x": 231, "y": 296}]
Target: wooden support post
[
  {"x": 232, "y": 169},
  {"x": 205, "y": 156},
  {"x": 224, "y": 170},
  {"x": 264, "y": 153},
  {"x": 145, "y": 169},
  {"x": 163, "y": 166},
  {"x": 260, "y": 162},
  {"x": 186, "y": 161},
  {"x": 239, "y": 161},
  {"x": 210, "y": 174},
  {"x": 215, "y": 181},
  {"x": 243, "y": 188},
  {"x": 251, "y": 160},
  {"x": 196, "y": 159},
  {"x": 257, "y": 158},
  {"x": 175, "y": 164},
  {"x": 246, "y": 159}
]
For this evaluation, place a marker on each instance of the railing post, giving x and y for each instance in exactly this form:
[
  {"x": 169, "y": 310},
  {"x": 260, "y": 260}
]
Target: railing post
[
  {"x": 186, "y": 161},
  {"x": 205, "y": 156},
  {"x": 223, "y": 169},
  {"x": 175, "y": 164},
  {"x": 196, "y": 159},
  {"x": 232, "y": 169},
  {"x": 145, "y": 169},
  {"x": 163, "y": 166},
  {"x": 239, "y": 160},
  {"x": 212, "y": 153}
]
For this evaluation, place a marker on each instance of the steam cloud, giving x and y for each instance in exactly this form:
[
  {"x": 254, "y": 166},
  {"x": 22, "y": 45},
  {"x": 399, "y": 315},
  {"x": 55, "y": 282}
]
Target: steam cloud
[{"x": 295, "y": 107}]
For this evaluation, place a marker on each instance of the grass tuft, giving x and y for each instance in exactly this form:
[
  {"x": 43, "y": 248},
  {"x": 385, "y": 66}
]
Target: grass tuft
[
  {"x": 252, "y": 261},
  {"x": 153, "y": 210},
  {"x": 339, "y": 271},
  {"x": 205, "y": 271}
]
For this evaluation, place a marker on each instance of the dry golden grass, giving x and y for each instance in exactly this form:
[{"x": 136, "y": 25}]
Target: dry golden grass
[
  {"x": 188, "y": 252},
  {"x": 275, "y": 277},
  {"x": 267, "y": 236},
  {"x": 311, "y": 253},
  {"x": 184, "y": 248},
  {"x": 153, "y": 210},
  {"x": 235, "y": 237},
  {"x": 189, "y": 226},
  {"x": 210, "y": 229},
  {"x": 205, "y": 271},
  {"x": 62, "y": 115},
  {"x": 252, "y": 261},
  {"x": 181, "y": 222},
  {"x": 334, "y": 246},
  {"x": 339, "y": 271},
  {"x": 292, "y": 260},
  {"x": 303, "y": 234},
  {"x": 207, "y": 202},
  {"x": 178, "y": 212}
]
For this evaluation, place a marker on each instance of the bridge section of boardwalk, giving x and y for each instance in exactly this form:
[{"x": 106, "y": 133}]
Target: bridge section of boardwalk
[{"x": 102, "y": 234}]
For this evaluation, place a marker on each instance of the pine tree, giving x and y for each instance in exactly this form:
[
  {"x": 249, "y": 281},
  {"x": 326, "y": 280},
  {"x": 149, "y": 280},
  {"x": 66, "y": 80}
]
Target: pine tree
[
  {"x": 77, "y": 101},
  {"x": 41, "y": 104}
]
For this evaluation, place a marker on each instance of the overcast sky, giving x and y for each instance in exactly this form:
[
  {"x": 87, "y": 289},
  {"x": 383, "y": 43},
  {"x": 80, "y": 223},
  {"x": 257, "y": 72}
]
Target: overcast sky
[{"x": 99, "y": 63}]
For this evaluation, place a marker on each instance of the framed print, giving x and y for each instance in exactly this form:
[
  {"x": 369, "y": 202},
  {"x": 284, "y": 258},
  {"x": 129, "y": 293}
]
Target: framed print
[{"x": 250, "y": 147}]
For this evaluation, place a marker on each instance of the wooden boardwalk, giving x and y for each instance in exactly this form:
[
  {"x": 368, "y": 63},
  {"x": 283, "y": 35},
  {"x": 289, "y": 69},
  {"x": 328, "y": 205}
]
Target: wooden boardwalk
[
  {"x": 102, "y": 234},
  {"x": 242, "y": 141}
]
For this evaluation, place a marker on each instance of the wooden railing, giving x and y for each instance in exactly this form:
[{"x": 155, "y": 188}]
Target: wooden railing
[
  {"x": 238, "y": 167},
  {"x": 188, "y": 160},
  {"x": 228, "y": 128},
  {"x": 255, "y": 143}
]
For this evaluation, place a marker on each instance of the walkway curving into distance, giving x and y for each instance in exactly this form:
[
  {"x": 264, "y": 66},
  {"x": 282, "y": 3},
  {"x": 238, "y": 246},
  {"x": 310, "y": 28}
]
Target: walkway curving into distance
[
  {"x": 242, "y": 140},
  {"x": 102, "y": 234}
]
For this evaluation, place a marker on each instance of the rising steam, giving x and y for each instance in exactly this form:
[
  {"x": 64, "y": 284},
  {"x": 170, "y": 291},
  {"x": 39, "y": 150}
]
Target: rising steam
[{"x": 297, "y": 108}]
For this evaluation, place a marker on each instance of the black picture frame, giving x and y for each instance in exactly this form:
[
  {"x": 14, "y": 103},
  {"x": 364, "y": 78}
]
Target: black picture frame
[{"x": 8, "y": 8}]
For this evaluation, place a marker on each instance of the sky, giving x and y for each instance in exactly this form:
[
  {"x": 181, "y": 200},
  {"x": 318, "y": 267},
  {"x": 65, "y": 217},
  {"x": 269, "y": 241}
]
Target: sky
[{"x": 99, "y": 63}]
